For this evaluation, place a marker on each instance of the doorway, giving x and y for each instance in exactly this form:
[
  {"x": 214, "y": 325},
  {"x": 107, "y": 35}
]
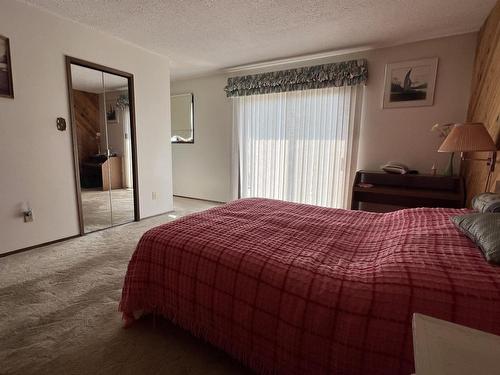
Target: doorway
[{"x": 102, "y": 112}]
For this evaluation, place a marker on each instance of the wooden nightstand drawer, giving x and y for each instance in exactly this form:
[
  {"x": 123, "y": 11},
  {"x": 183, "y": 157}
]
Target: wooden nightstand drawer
[{"x": 395, "y": 191}]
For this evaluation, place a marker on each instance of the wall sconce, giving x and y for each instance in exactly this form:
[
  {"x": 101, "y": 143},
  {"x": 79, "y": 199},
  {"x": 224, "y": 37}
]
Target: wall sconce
[{"x": 471, "y": 137}]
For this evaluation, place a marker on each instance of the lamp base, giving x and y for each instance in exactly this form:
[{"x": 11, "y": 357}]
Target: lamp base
[{"x": 449, "y": 169}]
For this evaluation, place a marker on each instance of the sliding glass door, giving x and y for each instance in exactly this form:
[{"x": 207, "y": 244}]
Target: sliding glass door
[{"x": 297, "y": 146}]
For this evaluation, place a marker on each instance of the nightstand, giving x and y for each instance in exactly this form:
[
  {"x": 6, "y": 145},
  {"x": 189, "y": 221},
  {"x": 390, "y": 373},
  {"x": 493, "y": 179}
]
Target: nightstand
[
  {"x": 391, "y": 192},
  {"x": 444, "y": 348}
]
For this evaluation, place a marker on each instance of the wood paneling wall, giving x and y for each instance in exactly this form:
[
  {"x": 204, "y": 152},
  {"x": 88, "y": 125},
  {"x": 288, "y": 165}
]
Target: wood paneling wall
[
  {"x": 87, "y": 123},
  {"x": 484, "y": 104}
]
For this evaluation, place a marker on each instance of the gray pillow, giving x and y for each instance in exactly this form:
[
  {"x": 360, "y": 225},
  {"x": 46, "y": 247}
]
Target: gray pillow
[
  {"x": 484, "y": 230},
  {"x": 486, "y": 202}
]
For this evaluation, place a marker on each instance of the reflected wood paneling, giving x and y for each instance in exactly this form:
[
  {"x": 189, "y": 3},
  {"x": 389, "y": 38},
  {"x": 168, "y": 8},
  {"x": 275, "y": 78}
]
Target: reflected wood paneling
[
  {"x": 86, "y": 106},
  {"x": 484, "y": 105}
]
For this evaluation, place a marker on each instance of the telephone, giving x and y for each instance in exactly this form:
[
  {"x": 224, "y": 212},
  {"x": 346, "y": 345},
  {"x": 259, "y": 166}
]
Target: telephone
[{"x": 395, "y": 167}]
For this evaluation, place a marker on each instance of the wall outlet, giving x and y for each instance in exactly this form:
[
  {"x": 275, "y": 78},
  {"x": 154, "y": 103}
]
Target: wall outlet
[
  {"x": 154, "y": 195},
  {"x": 28, "y": 216}
]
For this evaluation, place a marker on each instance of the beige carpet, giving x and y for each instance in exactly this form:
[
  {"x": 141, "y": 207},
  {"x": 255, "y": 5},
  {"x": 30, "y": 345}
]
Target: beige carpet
[
  {"x": 102, "y": 209},
  {"x": 58, "y": 312}
]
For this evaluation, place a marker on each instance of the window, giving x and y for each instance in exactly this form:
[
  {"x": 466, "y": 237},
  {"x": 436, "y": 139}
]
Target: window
[{"x": 298, "y": 146}]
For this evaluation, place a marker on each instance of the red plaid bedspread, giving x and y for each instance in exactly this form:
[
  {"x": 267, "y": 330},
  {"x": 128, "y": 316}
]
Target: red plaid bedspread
[{"x": 298, "y": 289}]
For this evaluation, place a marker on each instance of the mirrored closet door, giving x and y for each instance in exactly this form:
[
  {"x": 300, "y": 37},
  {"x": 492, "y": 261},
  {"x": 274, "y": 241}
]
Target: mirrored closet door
[{"x": 104, "y": 144}]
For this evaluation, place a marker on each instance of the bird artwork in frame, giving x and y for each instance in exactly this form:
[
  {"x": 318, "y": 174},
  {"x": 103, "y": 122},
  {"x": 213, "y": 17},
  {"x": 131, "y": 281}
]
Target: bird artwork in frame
[{"x": 410, "y": 83}]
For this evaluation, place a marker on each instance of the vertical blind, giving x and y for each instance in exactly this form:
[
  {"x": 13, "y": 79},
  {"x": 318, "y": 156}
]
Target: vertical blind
[{"x": 298, "y": 145}]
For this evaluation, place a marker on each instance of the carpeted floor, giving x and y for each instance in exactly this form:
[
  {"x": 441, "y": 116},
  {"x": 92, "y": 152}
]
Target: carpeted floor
[
  {"x": 58, "y": 312},
  {"x": 102, "y": 209}
]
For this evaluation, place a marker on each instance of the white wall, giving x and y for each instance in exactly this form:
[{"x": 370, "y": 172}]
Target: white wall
[
  {"x": 403, "y": 134},
  {"x": 203, "y": 170},
  {"x": 36, "y": 160}
]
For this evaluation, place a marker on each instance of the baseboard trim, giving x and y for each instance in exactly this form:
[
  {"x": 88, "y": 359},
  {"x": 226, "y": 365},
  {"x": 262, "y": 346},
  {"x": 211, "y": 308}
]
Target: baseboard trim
[
  {"x": 22, "y": 250},
  {"x": 64, "y": 239},
  {"x": 198, "y": 199},
  {"x": 156, "y": 215},
  {"x": 2, "y": 255}
]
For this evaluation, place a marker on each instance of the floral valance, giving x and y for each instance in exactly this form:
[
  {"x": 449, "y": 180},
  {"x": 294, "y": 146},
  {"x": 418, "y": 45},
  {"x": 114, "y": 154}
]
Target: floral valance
[
  {"x": 347, "y": 73},
  {"x": 122, "y": 101}
]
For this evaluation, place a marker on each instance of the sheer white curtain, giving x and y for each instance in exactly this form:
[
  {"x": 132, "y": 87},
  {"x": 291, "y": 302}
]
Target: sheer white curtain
[{"x": 297, "y": 146}]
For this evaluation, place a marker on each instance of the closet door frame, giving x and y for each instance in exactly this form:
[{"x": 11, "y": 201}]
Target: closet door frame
[{"x": 130, "y": 79}]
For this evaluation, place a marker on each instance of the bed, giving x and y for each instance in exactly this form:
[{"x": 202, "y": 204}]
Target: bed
[{"x": 296, "y": 289}]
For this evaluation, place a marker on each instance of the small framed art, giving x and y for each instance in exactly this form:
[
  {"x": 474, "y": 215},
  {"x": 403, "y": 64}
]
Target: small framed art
[{"x": 410, "y": 83}]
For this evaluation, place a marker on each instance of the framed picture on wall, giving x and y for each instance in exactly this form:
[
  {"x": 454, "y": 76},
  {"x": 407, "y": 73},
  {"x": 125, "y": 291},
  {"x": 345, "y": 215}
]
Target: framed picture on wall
[
  {"x": 410, "y": 83},
  {"x": 6, "y": 86},
  {"x": 111, "y": 114}
]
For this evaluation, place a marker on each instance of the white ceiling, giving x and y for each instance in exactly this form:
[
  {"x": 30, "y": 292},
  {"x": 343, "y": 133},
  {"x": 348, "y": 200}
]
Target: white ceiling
[
  {"x": 90, "y": 80},
  {"x": 201, "y": 36}
]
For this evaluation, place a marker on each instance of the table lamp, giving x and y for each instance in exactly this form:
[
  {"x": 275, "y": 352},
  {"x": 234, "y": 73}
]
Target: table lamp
[{"x": 471, "y": 137}]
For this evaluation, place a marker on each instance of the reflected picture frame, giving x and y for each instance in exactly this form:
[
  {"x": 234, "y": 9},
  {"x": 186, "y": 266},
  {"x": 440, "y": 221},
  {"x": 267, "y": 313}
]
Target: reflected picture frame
[
  {"x": 410, "y": 83},
  {"x": 6, "y": 83}
]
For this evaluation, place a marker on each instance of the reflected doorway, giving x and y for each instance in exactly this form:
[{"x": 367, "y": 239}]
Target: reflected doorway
[{"x": 103, "y": 132}]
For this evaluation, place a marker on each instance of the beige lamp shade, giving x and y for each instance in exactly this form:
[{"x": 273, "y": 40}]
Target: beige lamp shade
[{"x": 471, "y": 136}]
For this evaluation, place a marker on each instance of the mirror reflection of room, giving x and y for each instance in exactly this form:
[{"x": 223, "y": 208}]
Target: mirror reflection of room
[
  {"x": 102, "y": 119},
  {"x": 182, "y": 118}
]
